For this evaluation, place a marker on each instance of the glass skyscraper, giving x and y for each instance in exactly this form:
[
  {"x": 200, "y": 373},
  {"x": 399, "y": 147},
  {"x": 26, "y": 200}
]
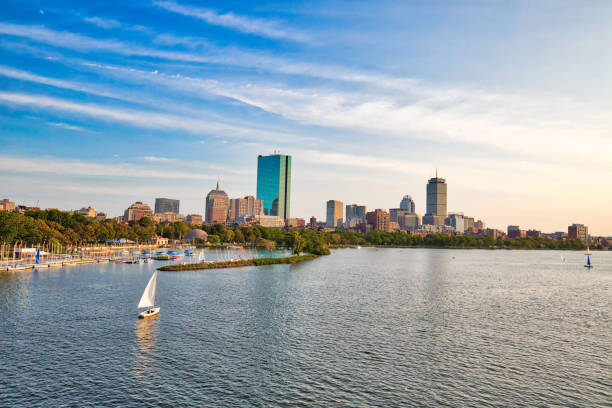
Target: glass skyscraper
[{"x": 274, "y": 184}]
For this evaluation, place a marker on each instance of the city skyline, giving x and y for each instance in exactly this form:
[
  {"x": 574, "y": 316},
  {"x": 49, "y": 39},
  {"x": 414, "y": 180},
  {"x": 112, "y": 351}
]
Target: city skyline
[{"x": 107, "y": 105}]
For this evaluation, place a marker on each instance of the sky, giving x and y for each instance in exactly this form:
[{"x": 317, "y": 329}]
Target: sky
[{"x": 108, "y": 103}]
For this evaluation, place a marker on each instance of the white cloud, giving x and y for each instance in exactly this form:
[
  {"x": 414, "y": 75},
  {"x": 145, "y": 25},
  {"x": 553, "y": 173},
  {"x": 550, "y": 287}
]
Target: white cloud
[
  {"x": 142, "y": 119},
  {"x": 223, "y": 56},
  {"x": 103, "y": 22},
  {"x": 156, "y": 159},
  {"x": 67, "y": 126},
  {"x": 247, "y": 25}
]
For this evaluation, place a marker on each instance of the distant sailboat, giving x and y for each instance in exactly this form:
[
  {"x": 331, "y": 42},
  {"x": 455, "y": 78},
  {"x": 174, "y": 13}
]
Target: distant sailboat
[
  {"x": 148, "y": 299},
  {"x": 588, "y": 254}
]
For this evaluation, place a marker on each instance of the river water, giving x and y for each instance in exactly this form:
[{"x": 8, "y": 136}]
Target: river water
[{"x": 362, "y": 327}]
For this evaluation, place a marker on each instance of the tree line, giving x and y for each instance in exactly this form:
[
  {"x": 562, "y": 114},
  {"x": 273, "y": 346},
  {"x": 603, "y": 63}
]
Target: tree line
[{"x": 62, "y": 228}]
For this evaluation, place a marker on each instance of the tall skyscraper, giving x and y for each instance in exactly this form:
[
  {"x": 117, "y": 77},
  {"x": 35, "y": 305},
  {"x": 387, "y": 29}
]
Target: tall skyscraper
[
  {"x": 217, "y": 203},
  {"x": 436, "y": 201},
  {"x": 334, "y": 214},
  {"x": 274, "y": 184},
  {"x": 407, "y": 204},
  {"x": 163, "y": 205}
]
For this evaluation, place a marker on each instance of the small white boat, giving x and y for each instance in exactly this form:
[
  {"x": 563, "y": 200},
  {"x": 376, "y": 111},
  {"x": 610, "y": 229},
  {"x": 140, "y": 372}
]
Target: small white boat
[
  {"x": 18, "y": 267},
  {"x": 41, "y": 265},
  {"x": 148, "y": 260},
  {"x": 55, "y": 264},
  {"x": 148, "y": 299}
]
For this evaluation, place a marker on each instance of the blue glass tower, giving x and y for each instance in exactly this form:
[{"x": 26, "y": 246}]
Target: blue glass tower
[{"x": 274, "y": 184}]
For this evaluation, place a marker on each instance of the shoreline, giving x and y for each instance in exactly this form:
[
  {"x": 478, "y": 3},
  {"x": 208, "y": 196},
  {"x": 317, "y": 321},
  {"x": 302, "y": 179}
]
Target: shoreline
[
  {"x": 290, "y": 260},
  {"x": 458, "y": 247}
]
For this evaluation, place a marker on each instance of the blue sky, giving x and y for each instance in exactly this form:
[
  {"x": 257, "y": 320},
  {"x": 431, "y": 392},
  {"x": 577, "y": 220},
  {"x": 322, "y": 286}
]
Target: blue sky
[{"x": 107, "y": 103}]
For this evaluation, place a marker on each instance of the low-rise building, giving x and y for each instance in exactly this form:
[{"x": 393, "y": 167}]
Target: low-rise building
[
  {"x": 515, "y": 232},
  {"x": 6, "y": 205},
  {"x": 295, "y": 223},
  {"x": 194, "y": 219},
  {"x": 532, "y": 233},
  {"x": 578, "y": 231},
  {"x": 137, "y": 211}
]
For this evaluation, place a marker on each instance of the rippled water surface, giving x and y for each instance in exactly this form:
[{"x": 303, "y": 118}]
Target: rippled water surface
[{"x": 362, "y": 327}]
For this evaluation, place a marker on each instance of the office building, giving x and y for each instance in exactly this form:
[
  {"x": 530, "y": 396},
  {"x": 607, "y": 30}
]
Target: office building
[
  {"x": 334, "y": 214},
  {"x": 395, "y": 213},
  {"x": 313, "y": 222},
  {"x": 409, "y": 222},
  {"x": 515, "y": 232},
  {"x": 355, "y": 215},
  {"x": 468, "y": 223},
  {"x": 407, "y": 204},
  {"x": 164, "y": 205},
  {"x": 456, "y": 221},
  {"x": 532, "y": 233},
  {"x": 249, "y": 206},
  {"x": 137, "y": 211},
  {"x": 436, "y": 201},
  {"x": 379, "y": 219},
  {"x": 193, "y": 219},
  {"x": 578, "y": 231},
  {"x": 274, "y": 184},
  {"x": 217, "y": 203}
]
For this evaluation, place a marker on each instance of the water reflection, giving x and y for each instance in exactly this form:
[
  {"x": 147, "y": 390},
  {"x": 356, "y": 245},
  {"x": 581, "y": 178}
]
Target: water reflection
[{"x": 146, "y": 333}]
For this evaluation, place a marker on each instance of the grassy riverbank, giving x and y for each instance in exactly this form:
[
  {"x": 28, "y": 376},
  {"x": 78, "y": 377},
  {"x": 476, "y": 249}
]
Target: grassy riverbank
[{"x": 235, "y": 264}]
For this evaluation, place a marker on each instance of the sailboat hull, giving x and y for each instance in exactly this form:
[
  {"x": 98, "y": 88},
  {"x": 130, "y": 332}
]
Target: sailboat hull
[{"x": 154, "y": 311}]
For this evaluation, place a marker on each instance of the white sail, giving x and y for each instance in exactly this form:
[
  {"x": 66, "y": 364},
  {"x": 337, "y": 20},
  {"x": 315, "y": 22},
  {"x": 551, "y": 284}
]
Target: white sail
[{"x": 148, "y": 296}]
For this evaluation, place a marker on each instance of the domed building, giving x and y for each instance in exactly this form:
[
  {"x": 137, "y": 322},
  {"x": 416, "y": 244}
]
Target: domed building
[
  {"x": 196, "y": 234},
  {"x": 217, "y": 204}
]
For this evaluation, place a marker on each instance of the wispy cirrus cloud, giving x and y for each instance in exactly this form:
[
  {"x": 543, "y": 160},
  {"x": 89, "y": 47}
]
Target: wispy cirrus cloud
[
  {"x": 144, "y": 119},
  {"x": 68, "y": 126},
  {"x": 247, "y": 25},
  {"x": 230, "y": 56},
  {"x": 103, "y": 22}
]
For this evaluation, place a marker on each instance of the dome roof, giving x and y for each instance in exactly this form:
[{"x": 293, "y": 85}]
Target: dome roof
[{"x": 196, "y": 234}]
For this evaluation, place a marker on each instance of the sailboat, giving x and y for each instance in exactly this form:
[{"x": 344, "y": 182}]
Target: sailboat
[
  {"x": 588, "y": 254},
  {"x": 148, "y": 299}
]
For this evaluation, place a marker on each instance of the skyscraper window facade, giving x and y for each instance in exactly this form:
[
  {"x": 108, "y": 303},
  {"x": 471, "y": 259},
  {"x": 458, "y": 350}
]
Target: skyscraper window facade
[
  {"x": 163, "y": 205},
  {"x": 407, "y": 204},
  {"x": 334, "y": 214},
  {"x": 274, "y": 184},
  {"x": 436, "y": 202}
]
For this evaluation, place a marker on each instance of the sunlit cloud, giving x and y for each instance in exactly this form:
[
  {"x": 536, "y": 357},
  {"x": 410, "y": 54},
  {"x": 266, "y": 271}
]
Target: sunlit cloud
[
  {"x": 103, "y": 22},
  {"x": 247, "y": 25}
]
